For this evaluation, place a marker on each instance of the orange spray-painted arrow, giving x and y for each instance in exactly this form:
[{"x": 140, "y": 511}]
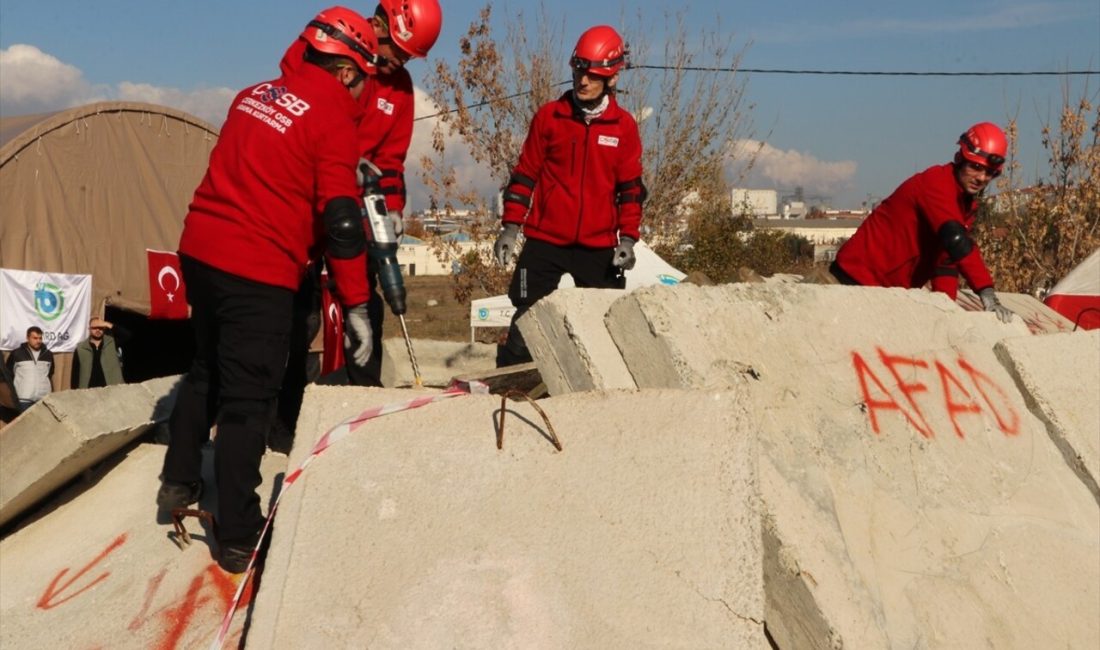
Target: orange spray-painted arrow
[{"x": 54, "y": 590}]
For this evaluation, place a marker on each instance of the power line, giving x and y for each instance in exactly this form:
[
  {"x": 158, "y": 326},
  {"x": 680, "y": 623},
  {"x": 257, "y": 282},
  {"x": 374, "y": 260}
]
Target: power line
[
  {"x": 877, "y": 73},
  {"x": 483, "y": 103},
  {"x": 849, "y": 73}
]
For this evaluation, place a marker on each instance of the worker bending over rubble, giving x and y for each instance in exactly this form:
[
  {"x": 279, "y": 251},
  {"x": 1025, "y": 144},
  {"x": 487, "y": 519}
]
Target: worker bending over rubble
[{"x": 921, "y": 232}]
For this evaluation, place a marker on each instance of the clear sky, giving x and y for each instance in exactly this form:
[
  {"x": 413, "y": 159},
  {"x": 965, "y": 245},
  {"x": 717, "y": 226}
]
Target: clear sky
[{"x": 842, "y": 137}]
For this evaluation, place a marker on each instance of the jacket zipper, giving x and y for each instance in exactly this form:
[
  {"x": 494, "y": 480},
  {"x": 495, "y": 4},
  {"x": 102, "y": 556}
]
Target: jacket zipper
[{"x": 584, "y": 165}]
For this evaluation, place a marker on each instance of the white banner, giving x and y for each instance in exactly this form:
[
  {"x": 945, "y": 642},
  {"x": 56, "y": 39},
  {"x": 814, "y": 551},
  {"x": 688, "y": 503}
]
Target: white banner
[
  {"x": 59, "y": 303},
  {"x": 495, "y": 311}
]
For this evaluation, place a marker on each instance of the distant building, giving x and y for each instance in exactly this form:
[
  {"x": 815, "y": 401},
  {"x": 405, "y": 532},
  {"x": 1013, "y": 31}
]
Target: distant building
[
  {"x": 825, "y": 234},
  {"x": 821, "y": 231},
  {"x": 1016, "y": 199},
  {"x": 417, "y": 257},
  {"x": 795, "y": 210},
  {"x": 758, "y": 204}
]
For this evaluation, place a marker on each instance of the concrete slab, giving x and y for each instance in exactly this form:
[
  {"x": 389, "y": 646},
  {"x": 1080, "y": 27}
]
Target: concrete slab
[
  {"x": 912, "y": 499},
  {"x": 98, "y": 571},
  {"x": 416, "y": 532},
  {"x": 567, "y": 338},
  {"x": 68, "y": 432},
  {"x": 1039, "y": 318},
  {"x": 439, "y": 361},
  {"x": 1059, "y": 376}
]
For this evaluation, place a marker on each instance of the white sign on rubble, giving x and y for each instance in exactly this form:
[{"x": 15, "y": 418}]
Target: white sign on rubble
[
  {"x": 59, "y": 303},
  {"x": 650, "y": 269}
]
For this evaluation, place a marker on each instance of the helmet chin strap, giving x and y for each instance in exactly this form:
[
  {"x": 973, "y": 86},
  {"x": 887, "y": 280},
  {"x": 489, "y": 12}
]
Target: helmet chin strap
[{"x": 354, "y": 80}]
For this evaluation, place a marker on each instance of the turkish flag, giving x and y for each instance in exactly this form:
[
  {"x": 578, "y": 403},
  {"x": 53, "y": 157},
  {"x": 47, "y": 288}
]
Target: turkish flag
[
  {"x": 332, "y": 320},
  {"x": 167, "y": 294}
]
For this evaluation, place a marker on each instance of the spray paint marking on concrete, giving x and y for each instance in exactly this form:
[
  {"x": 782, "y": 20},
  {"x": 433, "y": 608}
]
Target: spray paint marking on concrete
[
  {"x": 49, "y": 597},
  {"x": 210, "y": 591},
  {"x": 1037, "y": 322},
  {"x": 956, "y": 398}
]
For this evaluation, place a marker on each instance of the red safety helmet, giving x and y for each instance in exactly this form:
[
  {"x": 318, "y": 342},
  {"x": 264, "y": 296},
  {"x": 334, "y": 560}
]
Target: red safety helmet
[
  {"x": 985, "y": 144},
  {"x": 414, "y": 24},
  {"x": 600, "y": 51},
  {"x": 342, "y": 32}
]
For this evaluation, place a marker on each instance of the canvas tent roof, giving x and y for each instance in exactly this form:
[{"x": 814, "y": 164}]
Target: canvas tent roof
[{"x": 88, "y": 189}]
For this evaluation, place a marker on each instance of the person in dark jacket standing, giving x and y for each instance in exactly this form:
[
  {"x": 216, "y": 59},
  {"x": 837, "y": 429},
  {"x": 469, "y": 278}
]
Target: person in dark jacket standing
[
  {"x": 281, "y": 184},
  {"x": 97, "y": 360},
  {"x": 577, "y": 189},
  {"x": 31, "y": 366},
  {"x": 921, "y": 233}
]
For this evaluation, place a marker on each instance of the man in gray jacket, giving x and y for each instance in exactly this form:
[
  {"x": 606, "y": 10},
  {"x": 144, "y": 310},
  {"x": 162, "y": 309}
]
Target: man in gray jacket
[{"x": 31, "y": 364}]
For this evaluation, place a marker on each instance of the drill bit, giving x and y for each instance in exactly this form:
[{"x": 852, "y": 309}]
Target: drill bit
[{"x": 412, "y": 357}]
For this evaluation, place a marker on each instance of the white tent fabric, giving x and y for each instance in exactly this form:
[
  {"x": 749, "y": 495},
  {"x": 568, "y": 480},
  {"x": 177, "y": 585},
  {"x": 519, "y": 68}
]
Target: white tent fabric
[
  {"x": 1077, "y": 296},
  {"x": 650, "y": 269}
]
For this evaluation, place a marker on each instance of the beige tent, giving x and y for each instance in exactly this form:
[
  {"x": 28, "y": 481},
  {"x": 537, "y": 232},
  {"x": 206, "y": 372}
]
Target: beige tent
[{"x": 87, "y": 190}]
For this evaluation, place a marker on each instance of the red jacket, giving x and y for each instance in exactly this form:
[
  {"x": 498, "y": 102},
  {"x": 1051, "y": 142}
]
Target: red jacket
[
  {"x": 898, "y": 245},
  {"x": 386, "y": 129},
  {"x": 286, "y": 149},
  {"x": 578, "y": 183}
]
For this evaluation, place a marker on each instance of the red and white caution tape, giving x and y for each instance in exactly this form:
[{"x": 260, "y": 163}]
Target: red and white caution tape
[{"x": 331, "y": 437}]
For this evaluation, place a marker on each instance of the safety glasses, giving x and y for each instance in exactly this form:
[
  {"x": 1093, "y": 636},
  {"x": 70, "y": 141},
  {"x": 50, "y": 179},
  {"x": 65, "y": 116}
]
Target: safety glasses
[
  {"x": 989, "y": 171},
  {"x": 584, "y": 65}
]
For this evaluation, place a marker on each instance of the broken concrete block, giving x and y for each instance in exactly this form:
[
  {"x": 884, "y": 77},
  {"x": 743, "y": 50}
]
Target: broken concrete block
[
  {"x": 99, "y": 571},
  {"x": 1039, "y": 318},
  {"x": 566, "y": 335},
  {"x": 415, "y": 531},
  {"x": 439, "y": 361},
  {"x": 1059, "y": 377},
  {"x": 912, "y": 499},
  {"x": 69, "y": 431}
]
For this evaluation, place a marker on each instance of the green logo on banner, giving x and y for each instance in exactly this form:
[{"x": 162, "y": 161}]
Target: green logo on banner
[{"x": 49, "y": 300}]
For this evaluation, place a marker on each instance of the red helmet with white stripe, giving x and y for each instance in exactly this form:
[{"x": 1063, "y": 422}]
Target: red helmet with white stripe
[
  {"x": 600, "y": 50},
  {"x": 342, "y": 32},
  {"x": 414, "y": 24}
]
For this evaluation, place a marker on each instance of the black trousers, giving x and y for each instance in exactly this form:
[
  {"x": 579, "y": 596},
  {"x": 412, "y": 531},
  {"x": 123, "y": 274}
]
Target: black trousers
[
  {"x": 539, "y": 269},
  {"x": 841, "y": 276},
  {"x": 242, "y": 331},
  {"x": 300, "y": 369}
]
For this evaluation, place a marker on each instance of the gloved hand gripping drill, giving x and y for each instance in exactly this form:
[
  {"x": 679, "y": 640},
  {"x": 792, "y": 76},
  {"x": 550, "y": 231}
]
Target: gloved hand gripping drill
[
  {"x": 382, "y": 250},
  {"x": 381, "y": 238}
]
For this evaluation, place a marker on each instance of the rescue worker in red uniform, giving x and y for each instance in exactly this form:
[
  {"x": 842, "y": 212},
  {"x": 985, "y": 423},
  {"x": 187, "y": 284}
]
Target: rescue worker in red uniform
[
  {"x": 921, "y": 232},
  {"x": 405, "y": 29},
  {"x": 281, "y": 182},
  {"x": 577, "y": 189}
]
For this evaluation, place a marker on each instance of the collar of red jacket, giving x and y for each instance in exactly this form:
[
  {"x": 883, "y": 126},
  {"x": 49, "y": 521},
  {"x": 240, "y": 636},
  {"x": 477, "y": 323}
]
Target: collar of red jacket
[{"x": 564, "y": 107}]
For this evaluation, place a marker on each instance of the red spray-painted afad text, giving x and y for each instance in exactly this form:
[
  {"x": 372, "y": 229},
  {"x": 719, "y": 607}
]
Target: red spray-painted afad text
[{"x": 918, "y": 388}]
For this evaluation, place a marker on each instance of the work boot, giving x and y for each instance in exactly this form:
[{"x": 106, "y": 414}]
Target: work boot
[
  {"x": 234, "y": 558},
  {"x": 174, "y": 495}
]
